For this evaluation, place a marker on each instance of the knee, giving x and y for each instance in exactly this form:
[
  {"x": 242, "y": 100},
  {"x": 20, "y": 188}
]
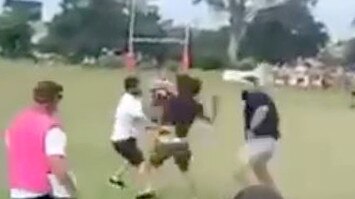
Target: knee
[{"x": 156, "y": 161}]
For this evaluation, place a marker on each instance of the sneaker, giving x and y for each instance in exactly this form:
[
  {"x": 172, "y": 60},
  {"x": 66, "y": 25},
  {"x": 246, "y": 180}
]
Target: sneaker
[
  {"x": 147, "y": 195},
  {"x": 117, "y": 182}
]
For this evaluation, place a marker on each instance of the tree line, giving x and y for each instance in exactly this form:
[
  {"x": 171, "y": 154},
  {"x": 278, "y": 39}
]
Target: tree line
[{"x": 277, "y": 31}]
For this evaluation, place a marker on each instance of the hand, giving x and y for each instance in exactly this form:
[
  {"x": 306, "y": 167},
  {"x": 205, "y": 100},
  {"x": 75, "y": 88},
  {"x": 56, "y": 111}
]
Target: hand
[{"x": 152, "y": 128}]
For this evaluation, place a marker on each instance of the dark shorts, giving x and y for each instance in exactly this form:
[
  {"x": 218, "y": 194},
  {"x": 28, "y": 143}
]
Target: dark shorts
[
  {"x": 130, "y": 151},
  {"x": 179, "y": 151}
]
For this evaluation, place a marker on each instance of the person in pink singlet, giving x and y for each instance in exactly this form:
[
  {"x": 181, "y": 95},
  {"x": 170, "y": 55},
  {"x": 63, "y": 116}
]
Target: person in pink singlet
[{"x": 37, "y": 164}]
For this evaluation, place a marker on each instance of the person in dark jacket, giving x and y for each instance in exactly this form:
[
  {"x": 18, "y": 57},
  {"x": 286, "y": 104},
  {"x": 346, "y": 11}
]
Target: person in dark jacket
[
  {"x": 261, "y": 120},
  {"x": 179, "y": 114}
]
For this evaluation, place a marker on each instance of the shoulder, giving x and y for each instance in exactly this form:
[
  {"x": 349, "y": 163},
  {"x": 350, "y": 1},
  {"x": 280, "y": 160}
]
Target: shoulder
[
  {"x": 125, "y": 97},
  {"x": 55, "y": 142},
  {"x": 56, "y": 132},
  {"x": 257, "y": 98}
]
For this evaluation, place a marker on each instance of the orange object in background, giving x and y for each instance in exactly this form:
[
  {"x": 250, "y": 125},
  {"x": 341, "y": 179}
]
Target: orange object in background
[
  {"x": 130, "y": 61},
  {"x": 186, "y": 59}
]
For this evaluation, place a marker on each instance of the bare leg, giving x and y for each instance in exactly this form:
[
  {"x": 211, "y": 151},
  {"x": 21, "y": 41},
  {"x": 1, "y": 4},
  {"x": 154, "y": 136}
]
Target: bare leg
[
  {"x": 122, "y": 170},
  {"x": 263, "y": 175},
  {"x": 145, "y": 183},
  {"x": 245, "y": 175},
  {"x": 191, "y": 184},
  {"x": 143, "y": 174},
  {"x": 116, "y": 178}
]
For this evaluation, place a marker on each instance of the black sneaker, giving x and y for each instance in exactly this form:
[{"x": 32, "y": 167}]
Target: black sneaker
[
  {"x": 117, "y": 182},
  {"x": 147, "y": 195}
]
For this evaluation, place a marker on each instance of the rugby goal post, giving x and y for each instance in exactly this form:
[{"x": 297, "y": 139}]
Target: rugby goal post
[{"x": 130, "y": 56}]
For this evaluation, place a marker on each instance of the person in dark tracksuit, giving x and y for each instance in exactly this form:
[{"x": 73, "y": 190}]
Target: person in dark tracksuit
[
  {"x": 179, "y": 114},
  {"x": 261, "y": 120}
]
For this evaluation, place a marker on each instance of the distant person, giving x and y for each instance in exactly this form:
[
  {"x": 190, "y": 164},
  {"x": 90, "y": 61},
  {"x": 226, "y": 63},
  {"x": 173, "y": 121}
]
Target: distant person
[
  {"x": 130, "y": 121},
  {"x": 258, "y": 192},
  {"x": 180, "y": 112},
  {"x": 261, "y": 133},
  {"x": 37, "y": 163}
]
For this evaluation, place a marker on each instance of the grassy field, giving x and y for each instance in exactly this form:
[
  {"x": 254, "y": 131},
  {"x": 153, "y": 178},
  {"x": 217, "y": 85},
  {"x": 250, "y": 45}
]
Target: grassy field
[{"x": 314, "y": 161}]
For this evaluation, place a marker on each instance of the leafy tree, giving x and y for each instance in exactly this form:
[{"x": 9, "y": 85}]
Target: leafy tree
[
  {"x": 284, "y": 33},
  {"x": 147, "y": 26},
  {"x": 242, "y": 13},
  {"x": 350, "y": 52},
  {"x": 86, "y": 29},
  {"x": 15, "y": 34},
  {"x": 209, "y": 48}
]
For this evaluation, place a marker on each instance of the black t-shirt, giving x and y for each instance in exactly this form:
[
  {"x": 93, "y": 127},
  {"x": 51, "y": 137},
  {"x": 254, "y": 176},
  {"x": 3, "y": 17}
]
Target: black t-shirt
[
  {"x": 181, "y": 111},
  {"x": 269, "y": 127}
]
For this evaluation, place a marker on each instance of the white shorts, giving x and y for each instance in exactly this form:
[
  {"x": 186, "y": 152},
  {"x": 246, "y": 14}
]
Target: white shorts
[{"x": 257, "y": 150}]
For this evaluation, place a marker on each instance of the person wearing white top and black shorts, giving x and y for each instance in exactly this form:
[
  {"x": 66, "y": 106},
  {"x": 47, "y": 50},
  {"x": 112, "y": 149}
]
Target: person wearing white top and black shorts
[
  {"x": 130, "y": 121},
  {"x": 261, "y": 134}
]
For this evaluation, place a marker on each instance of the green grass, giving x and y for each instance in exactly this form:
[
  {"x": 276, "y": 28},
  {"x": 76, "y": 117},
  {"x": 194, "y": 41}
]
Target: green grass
[{"x": 315, "y": 160}]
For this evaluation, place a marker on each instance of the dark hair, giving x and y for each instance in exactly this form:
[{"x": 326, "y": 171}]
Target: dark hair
[
  {"x": 188, "y": 85},
  {"x": 47, "y": 91},
  {"x": 131, "y": 82}
]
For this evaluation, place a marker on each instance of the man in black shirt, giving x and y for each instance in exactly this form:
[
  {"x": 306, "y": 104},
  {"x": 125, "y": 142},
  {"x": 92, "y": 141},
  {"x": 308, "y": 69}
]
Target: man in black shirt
[
  {"x": 180, "y": 112},
  {"x": 261, "y": 133}
]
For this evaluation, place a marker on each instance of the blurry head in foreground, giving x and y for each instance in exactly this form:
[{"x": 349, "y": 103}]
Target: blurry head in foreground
[
  {"x": 48, "y": 94},
  {"x": 132, "y": 86},
  {"x": 258, "y": 192}
]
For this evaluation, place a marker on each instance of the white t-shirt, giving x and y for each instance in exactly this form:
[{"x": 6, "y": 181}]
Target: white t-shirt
[
  {"x": 129, "y": 119},
  {"x": 55, "y": 144}
]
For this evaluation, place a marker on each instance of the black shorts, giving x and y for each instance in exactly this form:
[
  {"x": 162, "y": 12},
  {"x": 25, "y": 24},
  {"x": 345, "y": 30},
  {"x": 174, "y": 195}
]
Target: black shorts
[
  {"x": 129, "y": 150},
  {"x": 179, "y": 151}
]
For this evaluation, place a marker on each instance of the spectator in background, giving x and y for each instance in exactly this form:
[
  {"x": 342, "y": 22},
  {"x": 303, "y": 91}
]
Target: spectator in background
[{"x": 37, "y": 164}]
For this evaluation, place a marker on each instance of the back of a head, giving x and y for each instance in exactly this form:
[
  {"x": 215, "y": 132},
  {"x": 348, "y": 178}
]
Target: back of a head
[
  {"x": 188, "y": 85},
  {"x": 258, "y": 192},
  {"x": 131, "y": 82},
  {"x": 47, "y": 91}
]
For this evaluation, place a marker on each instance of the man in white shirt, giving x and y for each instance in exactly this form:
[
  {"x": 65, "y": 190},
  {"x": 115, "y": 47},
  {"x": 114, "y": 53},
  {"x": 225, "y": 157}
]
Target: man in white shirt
[{"x": 130, "y": 120}]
